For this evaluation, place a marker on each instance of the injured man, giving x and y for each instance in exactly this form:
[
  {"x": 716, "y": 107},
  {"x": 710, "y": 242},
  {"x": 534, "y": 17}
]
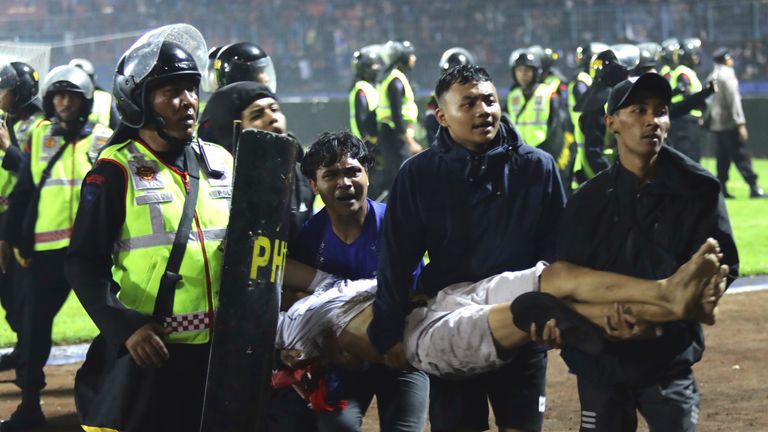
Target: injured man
[{"x": 470, "y": 328}]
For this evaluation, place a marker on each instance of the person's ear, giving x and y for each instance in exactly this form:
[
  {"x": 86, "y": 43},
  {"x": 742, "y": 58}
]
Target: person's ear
[
  {"x": 313, "y": 185},
  {"x": 609, "y": 120},
  {"x": 440, "y": 115}
]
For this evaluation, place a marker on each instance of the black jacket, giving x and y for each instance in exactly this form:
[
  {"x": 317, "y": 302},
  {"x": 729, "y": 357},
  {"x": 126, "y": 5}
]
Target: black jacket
[{"x": 612, "y": 223}]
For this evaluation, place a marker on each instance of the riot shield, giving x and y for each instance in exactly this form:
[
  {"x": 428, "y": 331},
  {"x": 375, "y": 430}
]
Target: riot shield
[{"x": 240, "y": 366}]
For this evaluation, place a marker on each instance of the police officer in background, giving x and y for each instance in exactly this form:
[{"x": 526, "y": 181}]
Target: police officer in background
[
  {"x": 396, "y": 115},
  {"x": 685, "y": 134},
  {"x": 39, "y": 223},
  {"x": 104, "y": 111},
  {"x": 451, "y": 57},
  {"x": 534, "y": 108},
  {"x": 577, "y": 88},
  {"x": 19, "y": 102},
  {"x": 363, "y": 97},
  {"x": 130, "y": 210}
]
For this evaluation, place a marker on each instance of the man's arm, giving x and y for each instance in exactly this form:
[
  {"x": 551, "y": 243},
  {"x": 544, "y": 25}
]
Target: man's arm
[
  {"x": 396, "y": 94},
  {"x": 403, "y": 245},
  {"x": 694, "y": 101},
  {"x": 88, "y": 265},
  {"x": 594, "y": 140}
]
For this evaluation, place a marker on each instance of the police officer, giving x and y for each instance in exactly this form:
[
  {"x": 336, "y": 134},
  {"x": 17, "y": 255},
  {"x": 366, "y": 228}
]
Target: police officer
[
  {"x": 451, "y": 57},
  {"x": 130, "y": 210},
  {"x": 534, "y": 108},
  {"x": 39, "y": 223},
  {"x": 650, "y": 58},
  {"x": 19, "y": 101},
  {"x": 577, "y": 88},
  {"x": 396, "y": 114},
  {"x": 669, "y": 59},
  {"x": 104, "y": 111},
  {"x": 363, "y": 97},
  {"x": 685, "y": 134}
]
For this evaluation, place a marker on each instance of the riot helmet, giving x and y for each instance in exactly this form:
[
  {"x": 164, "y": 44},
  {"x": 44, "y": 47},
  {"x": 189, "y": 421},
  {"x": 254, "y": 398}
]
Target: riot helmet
[
  {"x": 454, "y": 57},
  {"x": 397, "y": 54},
  {"x": 613, "y": 65},
  {"x": 650, "y": 57},
  {"x": 669, "y": 48},
  {"x": 689, "y": 53},
  {"x": 547, "y": 56},
  {"x": 86, "y": 66},
  {"x": 21, "y": 79},
  {"x": 585, "y": 53},
  {"x": 525, "y": 57},
  {"x": 166, "y": 53},
  {"x": 71, "y": 79},
  {"x": 208, "y": 82},
  {"x": 244, "y": 61},
  {"x": 366, "y": 63}
]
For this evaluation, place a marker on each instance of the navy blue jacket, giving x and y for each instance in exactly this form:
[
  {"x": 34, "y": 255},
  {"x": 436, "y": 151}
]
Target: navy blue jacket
[{"x": 476, "y": 214}]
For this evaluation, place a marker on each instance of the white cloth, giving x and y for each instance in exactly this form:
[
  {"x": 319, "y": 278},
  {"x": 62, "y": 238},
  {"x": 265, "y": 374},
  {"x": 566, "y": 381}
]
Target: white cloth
[
  {"x": 332, "y": 305},
  {"x": 450, "y": 335}
]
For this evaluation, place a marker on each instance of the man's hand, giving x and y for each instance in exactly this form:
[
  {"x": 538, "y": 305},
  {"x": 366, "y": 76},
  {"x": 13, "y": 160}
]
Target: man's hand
[
  {"x": 550, "y": 335},
  {"x": 743, "y": 133},
  {"x": 622, "y": 325},
  {"x": 6, "y": 255},
  {"x": 395, "y": 358},
  {"x": 5, "y": 138},
  {"x": 146, "y": 345}
]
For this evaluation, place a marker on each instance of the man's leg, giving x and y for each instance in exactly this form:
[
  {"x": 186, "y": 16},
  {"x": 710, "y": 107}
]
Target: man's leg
[
  {"x": 671, "y": 405},
  {"x": 723, "y": 141},
  {"x": 402, "y": 398},
  {"x": 606, "y": 408},
  {"x": 517, "y": 391}
]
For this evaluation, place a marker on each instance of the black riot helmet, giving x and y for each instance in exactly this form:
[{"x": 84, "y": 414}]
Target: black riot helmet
[
  {"x": 650, "y": 58},
  {"x": 613, "y": 65},
  {"x": 397, "y": 54},
  {"x": 208, "y": 82},
  {"x": 163, "y": 54},
  {"x": 72, "y": 79},
  {"x": 455, "y": 56},
  {"x": 689, "y": 53},
  {"x": 547, "y": 56},
  {"x": 669, "y": 49},
  {"x": 585, "y": 53},
  {"x": 244, "y": 61},
  {"x": 525, "y": 57},
  {"x": 22, "y": 80},
  {"x": 366, "y": 63}
]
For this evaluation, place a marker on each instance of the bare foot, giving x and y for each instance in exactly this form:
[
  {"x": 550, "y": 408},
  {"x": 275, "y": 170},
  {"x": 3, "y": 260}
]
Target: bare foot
[
  {"x": 684, "y": 289},
  {"x": 711, "y": 296}
]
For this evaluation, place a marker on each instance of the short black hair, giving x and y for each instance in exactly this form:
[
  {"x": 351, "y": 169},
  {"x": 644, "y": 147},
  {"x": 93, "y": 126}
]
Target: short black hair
[
  {"x": 329, "y": 148},
  {"x": 461, "y": 74}
]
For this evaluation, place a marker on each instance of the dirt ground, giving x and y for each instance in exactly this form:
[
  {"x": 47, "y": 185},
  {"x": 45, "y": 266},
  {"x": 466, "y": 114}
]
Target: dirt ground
[{"x": 732, "y": 376}]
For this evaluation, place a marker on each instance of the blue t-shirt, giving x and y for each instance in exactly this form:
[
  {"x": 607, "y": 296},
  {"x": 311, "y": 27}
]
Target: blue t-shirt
[{"x": 318, "y": 246}]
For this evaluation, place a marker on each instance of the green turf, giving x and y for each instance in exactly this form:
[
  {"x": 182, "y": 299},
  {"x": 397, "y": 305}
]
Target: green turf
[{"x": 748, "y": 218}]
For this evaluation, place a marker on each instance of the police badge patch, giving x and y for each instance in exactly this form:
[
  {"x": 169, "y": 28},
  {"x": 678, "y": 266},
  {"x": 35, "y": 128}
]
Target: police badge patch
[{"x": 146, "y": 172}]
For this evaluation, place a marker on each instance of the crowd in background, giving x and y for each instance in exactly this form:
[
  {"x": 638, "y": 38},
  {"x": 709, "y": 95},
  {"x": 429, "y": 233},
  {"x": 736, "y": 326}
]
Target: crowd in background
[{"x": 311, "y": 42}]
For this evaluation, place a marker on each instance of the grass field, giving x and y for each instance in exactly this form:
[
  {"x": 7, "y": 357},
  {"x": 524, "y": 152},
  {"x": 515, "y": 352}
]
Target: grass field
[{"x": 749, "y": 219}]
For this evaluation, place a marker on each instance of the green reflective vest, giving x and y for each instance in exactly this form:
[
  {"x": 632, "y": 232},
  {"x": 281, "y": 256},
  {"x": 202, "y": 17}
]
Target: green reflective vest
[
  {"x": 102, "y": 108},
  {"x": 22, "y": 131},
  {"x": 60, "y": 194},
  {"x": 530, "y": 116},
  {"x": 410, "y": 111},
  {"x": 371, "y": 95},
  {"x": 694, "y": 88},
  {"x": 578, "y": 134},
  {"x": 154, "y": 202}
]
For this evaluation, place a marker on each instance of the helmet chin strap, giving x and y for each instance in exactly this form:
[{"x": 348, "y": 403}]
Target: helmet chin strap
[{"x": 159, "y": 124}]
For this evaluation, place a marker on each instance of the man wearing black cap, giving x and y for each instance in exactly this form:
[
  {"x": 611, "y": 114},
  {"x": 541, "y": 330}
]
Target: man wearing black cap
[
  {"x": 726, "y": 120},
  {"x": 642, "y": 217}
]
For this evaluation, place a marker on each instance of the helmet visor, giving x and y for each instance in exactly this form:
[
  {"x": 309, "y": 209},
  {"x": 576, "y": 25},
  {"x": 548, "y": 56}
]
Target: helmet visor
[
  {"x": 264, "y": 72},
  {"x": 142, "y": 56},
  {"x": 8, "y": 77}
]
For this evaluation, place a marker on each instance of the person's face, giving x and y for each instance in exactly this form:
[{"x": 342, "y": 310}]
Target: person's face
[
  {"x": 6, "y": 99},
  {"x": 729, "y": 61},
  {"x": 177, "y": 102},
  {"x": 411, "y": 61},
  {"x": 67, "y": 105},
  {"x": 471, "y": 113},
  {"x": 264, "y": 114},
  {"x": 343, "y": 186},
  {"x": 640, "y": 127},
  {"x": 524, "y": 75}
]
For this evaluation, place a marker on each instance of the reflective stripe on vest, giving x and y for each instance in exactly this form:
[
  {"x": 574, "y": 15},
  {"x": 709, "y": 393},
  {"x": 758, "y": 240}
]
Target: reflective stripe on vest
[
  {"x": 530, "y": 117},
  {"x": 154, "y": 203},
  {"x": 102, "y": 108},
  {"x": 410, "y": 111},
  {"x": 371, "y": 96},
  {"x": 60, "y": 194},
  {"x": 695, "y": 86}
]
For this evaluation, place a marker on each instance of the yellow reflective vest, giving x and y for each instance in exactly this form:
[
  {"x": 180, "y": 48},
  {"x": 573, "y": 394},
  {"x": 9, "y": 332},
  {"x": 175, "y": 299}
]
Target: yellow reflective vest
[
  {"x": 102, "y": 108},
  {"x": 8, "y": 179},
  {"x": 154, "y": 203},
  {"x": 694, "y": 88},
  {"x": 410, "y": 111},
  {"x": 530, "y": 116},
  {"x": 371, "y": 95},
  {"x": 60, "y": 194}
]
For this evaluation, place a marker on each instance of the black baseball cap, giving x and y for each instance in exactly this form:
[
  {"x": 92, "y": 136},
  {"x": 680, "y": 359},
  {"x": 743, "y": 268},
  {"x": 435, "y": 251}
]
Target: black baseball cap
[
  {"x": 721, "y": 55},
  {"x": 651, "y": 83}
]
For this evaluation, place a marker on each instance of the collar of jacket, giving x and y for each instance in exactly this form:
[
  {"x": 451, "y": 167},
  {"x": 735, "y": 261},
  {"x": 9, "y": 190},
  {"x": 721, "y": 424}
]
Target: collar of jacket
[{"x": 59, "y": 130}]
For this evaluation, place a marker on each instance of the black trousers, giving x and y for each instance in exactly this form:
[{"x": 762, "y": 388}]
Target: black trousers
[
  {"x": 685, "y": 136},
  {"x": 45, "y": 290},
  {"x": 12, "y": 297},
  {"x": 388, "y": 157},
  {"x": 731, "y": 149}
]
